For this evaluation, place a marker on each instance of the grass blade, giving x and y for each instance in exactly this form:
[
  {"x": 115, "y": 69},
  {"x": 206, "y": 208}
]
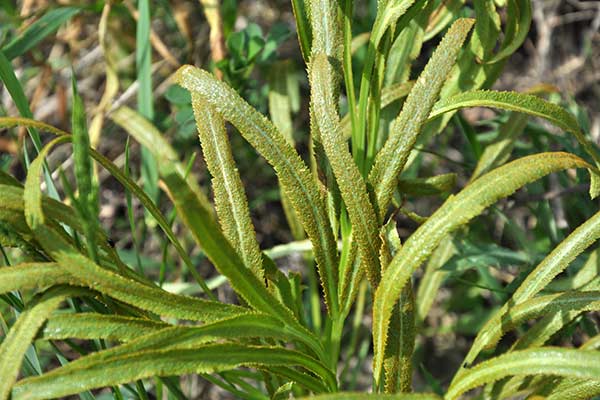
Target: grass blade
[
  {"x": 37, "y": 31},
  {"x": 84, "y": 173},
  {"x": 145, "y": 96}
]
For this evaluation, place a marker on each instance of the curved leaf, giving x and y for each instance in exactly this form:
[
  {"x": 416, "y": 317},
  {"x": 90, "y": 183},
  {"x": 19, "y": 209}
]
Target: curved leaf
[
  {"x": 533, "y": 308},
  {"x": 130, "y": 367},
  {"x": 455, "y": 212},
  {"x": 127, "y": 182},
  {"x": 223, "y": 256},
  {"x": 575, "y": 389},
  {"x": 521, "y": 102},
  {"x": 545, "y": 360},
  {"x": 170, "y": 337},
  {"x": 148, "y": 136},
  {"x": 374, "y": 396},
  {"x": 352, "y": 186},
  {"x": 33, "y": 275},
  {"x": 230, "y": 198},
  {"x": 22, "y": 333},
  {"x": 556, "y": 262},
  {"x": 98, "y": 326},
  {"x": 406, "y": 127},
  {"x": 295, "y": 179}
]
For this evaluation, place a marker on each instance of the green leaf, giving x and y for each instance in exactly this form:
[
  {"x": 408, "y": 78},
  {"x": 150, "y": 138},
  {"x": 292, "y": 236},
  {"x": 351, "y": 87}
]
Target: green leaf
[
  {"x": 326, "y": 29},
  {"x": 575, "y": 389},
  {"x": 498, "y": 152},
  {"x": 230, "y": 197},
  {"x": 98, "y": 326},
  {"x": 556, "y": 262},
  {"x": 281, "y": 84},
  {"x": 32, "y": 275},
  {"x": 516, "y": 31},
  {"x": 472, "y": 255},
  {"x": 351, "y": 184},
  {"x": 84, "y": 174},
  {"x": 403, "y": 134},
  {"x": 148, "y": 136},
  {"x": 487, "y": 28},
  {"x": 520, "y": 102},
  {"x": 374, "y": 396},
  {"x": 127, "y": 182},
  {"x": 223, "y": 256},
  {"x": 303, "y": 27},
  {"x": 455, "y": 212},
  {"x": 164, "y": 337},
  {"x": 37, "y": 31},
  {"x": 545, "y": 360},
  {"x": 536, "y": 307},
  {"x": 21, "y": 334},
  {"x": 433, "y": 277},
  {"x": 130, "y": 367},
  {"x": 295, "y": 179},
  {"x": 388, "y": 13},
  {"x": 145, "y": 96},
  {"x": 430, "y": 186},
  {"x": 125, "y": 289}
]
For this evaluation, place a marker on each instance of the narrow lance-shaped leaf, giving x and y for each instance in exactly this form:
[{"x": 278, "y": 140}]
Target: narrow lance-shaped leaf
[
  {"x": 516, "y": 31},
  {"x": 455, "y": 212},
  {"x": 374, "y": 396},
  {"x": 556, "y": 262},
  {"x": 326, "y": 29},
  {"x": 351, "y": 184},
  {"x": 403, "y": 134},
  {"x": 400, "y": 346},
  {"x": 296, "y": 181},
  {"x": 22, "y": 333},
  {"x": 84, "y": 174},
  {"x": 98, "y": 326},
  {"x": 239, "y": 327},
  {"x": 130, "y": 367},
  {"x": 547, "y": 361},
  {"x": 230, "y": 198},
  {"x": 78, "y": 270},
  {"x": 222, "y": 255},
  {"x": 280, "y": 110},
  {"x": 38, "y": 31},
  {"x": 539, "y": 306},
  {"x": 148, "y": 136},
  {"x": 303, "y": 27},
  {"x": 89, "y": 273},
  {"x": 520, "y": 102},
  {"x": 127, "y": 182}
]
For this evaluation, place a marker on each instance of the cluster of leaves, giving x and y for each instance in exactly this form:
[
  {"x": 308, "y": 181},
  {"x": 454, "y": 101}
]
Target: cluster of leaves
[{"x": 344, "y": 203}]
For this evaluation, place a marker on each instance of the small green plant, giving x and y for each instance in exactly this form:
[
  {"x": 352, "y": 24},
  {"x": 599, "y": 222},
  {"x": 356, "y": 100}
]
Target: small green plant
[{"x": 277, "y": 342}]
